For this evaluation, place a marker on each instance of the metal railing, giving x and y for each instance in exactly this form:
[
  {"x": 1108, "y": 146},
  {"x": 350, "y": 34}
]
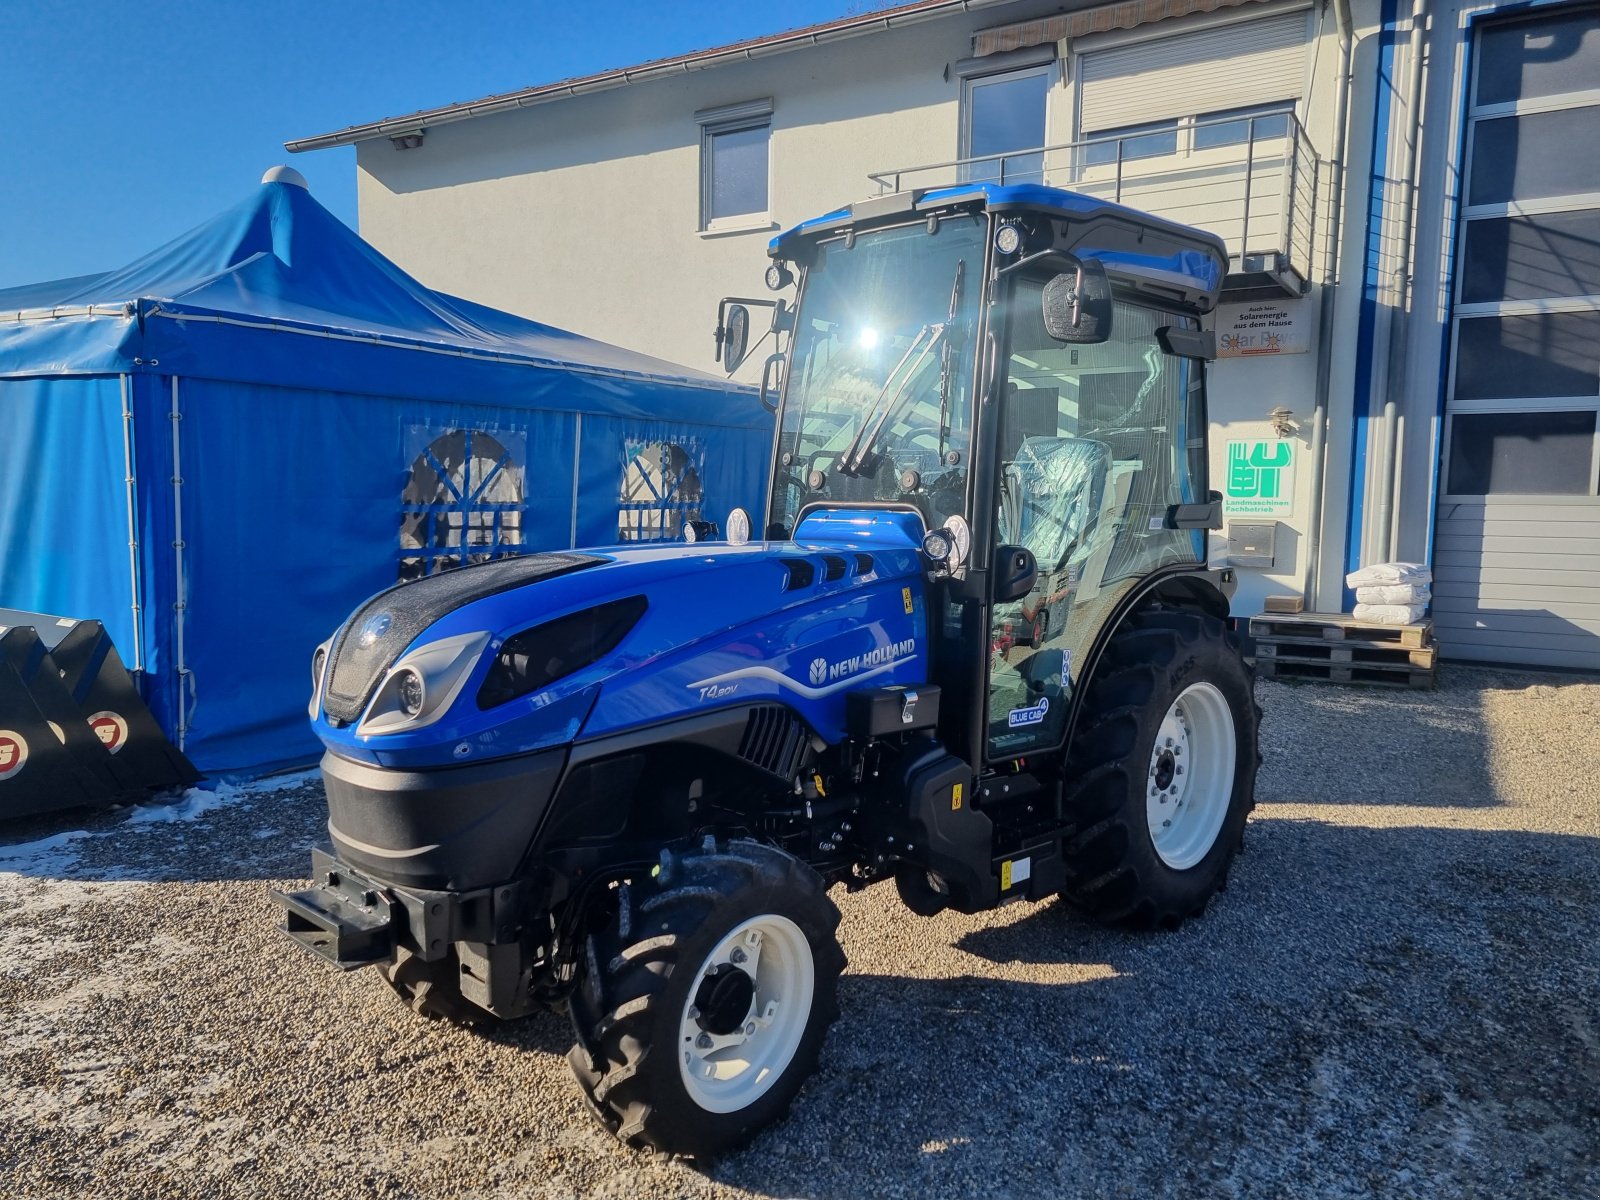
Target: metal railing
[{"x": 1252, "y": 179}]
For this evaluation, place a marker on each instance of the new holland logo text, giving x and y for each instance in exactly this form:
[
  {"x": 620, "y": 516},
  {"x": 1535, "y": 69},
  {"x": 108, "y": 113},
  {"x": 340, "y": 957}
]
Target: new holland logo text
[
  {"x": 821, "y": 677},
  {"x": 882, "y": 656}
]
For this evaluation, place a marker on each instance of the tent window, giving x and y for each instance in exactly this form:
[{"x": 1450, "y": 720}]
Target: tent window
[
  {"x": 462, "y": 504},
  {"x": 660, "y": 491}
]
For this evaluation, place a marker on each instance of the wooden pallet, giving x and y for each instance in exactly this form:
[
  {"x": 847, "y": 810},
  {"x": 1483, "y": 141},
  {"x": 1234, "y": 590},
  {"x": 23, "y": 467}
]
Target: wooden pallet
[
  {"x": 1314, "y": 651},
  {"x": 1332, "y": 672},
  {"x": 1337, "y": 627}
]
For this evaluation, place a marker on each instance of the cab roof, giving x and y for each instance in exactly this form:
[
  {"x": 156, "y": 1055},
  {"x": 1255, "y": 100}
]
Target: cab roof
[{"x": 1143, "y": 248}]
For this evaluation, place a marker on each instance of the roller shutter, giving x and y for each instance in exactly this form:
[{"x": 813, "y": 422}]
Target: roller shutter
[
  {"x": 1236, "y": 65},
  {"x": 1516, "y": 556}
]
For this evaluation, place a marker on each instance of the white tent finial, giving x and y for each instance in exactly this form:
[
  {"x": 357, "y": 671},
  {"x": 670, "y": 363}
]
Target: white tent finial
[{"x": 283, "y": 174}]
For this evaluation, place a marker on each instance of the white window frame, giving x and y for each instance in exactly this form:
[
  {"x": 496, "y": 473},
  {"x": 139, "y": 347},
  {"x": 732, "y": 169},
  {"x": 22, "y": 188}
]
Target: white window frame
[
  {"x": 1017, "y": 64},
  {"x": 732, "y": 118}
]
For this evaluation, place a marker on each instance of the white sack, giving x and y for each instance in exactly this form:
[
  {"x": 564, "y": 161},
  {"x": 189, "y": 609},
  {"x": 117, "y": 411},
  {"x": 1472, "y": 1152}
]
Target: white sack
[
  {"x": 1394, "y": 593},
  {"x": 1396, "y": 572},
  {"x": 1390, "y": 614}
]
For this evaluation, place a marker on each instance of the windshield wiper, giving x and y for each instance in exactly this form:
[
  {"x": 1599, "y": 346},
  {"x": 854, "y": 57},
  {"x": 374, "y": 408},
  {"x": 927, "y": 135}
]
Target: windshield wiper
[
  {"x": 947, "y": 358},
  {"x": 860, "y": 451}
]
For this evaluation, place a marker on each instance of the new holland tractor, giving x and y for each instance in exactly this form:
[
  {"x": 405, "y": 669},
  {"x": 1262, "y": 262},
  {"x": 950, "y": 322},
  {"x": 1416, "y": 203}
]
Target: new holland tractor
[{"x": 973, "y": 649}]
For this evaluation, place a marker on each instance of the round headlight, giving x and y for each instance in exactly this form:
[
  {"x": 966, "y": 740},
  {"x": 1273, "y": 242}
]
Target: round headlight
[
  {"x": 1008, "y": 239},
  {"x": 410, "y": 692},
  {"x": 936, "y": 545},
  {"x": 738, "y": 527},
  {"x": 779, "y": 277}
]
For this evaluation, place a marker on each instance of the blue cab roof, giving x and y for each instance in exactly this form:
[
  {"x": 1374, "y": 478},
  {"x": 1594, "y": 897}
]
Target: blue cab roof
[{"x": 1181, "y": 254}]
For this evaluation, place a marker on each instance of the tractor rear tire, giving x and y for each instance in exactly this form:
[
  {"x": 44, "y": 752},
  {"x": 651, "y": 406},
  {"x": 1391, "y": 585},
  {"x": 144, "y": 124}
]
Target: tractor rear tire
[
  {"x": 703, "y": 1003},
  {"x": 1161, "y": 772}
]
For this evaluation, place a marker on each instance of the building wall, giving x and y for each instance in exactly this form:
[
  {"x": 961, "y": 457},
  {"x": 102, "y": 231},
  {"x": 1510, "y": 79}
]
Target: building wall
[{"x": 585, "y": 213}]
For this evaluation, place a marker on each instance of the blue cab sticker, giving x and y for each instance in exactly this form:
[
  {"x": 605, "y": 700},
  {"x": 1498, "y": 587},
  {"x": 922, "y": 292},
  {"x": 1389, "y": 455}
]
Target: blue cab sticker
[{"x": 1019, "y": 717}]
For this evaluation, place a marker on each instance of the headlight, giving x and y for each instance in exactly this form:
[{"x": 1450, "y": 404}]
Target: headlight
[
  {"x": 319, "y": 665},
  {"x": 420, "y": 688}
]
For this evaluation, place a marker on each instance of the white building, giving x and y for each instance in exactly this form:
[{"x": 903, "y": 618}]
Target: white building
[{"x": 1411, "y": 192}]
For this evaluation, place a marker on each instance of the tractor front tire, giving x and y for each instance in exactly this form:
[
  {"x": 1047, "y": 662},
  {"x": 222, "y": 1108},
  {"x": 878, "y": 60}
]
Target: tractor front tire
[
  {"x": 433, "y": 989},
  {"x": 703, "y": 1003},
  {"x": 1161, "y": 772}
]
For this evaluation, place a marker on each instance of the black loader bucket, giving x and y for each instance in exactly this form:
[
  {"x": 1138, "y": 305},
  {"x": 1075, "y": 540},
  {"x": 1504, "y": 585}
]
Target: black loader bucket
[{"x": 73, "y": 730}]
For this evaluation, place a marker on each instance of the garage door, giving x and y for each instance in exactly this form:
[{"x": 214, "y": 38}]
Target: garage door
[{"x": 1517, "y": 544}]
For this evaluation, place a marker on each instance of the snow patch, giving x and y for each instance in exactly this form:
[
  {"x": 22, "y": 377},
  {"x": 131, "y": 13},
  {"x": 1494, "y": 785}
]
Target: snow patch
[{"x": 51, "y": 854}]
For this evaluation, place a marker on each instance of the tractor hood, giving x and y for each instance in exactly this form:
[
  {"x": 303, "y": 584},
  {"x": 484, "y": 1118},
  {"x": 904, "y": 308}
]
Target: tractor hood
[{"x": 522, "y": 654}]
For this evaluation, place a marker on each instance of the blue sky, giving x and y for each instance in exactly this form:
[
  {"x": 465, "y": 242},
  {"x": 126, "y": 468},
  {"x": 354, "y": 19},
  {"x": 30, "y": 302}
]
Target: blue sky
[{"x": 124, "y": 124}]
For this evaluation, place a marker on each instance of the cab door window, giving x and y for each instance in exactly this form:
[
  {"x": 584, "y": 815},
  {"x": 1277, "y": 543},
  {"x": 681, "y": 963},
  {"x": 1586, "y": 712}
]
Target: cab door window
[{"x": 1097, "y": 442}]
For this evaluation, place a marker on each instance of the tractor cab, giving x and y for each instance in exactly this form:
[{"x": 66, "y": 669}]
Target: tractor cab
[{"x": 1023, "y": 367}]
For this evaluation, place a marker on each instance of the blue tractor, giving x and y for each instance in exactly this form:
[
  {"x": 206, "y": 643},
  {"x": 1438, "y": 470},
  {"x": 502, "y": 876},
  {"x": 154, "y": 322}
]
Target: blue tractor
[{"x": 620, "y": 782}]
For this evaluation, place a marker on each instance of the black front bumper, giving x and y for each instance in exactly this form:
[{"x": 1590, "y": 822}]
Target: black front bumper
[{"x": 452, "y": 829}]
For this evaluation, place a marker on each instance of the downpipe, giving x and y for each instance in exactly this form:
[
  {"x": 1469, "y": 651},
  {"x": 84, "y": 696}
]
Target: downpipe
[
  {"x": 1400, "y": 320},
  {"x": 1325, "y": 318}
]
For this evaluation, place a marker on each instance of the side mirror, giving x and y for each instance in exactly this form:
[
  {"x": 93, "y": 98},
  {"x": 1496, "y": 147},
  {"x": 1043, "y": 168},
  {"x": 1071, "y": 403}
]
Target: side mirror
[
  {"x": 1077, "y": 305},
  {"x": 1015, "y": 572},
  {"x": 733, "y": 337}
]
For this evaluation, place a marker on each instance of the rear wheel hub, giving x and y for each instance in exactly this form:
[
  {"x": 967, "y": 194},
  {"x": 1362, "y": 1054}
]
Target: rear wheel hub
[{"x": 724, "y": 998}]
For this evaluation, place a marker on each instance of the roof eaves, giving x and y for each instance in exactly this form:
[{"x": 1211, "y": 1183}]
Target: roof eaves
[{"x": 699, "y": 60}]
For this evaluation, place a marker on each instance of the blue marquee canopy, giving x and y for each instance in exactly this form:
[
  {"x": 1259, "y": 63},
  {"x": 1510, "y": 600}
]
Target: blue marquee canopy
[{"x": 220, "y": 449}]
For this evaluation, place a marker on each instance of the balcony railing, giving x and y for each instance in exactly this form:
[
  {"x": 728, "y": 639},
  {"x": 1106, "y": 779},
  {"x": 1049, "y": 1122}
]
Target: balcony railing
[{"x": 1252, "y": 179}]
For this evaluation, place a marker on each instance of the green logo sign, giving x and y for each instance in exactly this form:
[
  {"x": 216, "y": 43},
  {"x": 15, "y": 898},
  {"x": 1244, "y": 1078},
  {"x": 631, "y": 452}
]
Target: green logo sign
[{"x": 1260, "y": 480}]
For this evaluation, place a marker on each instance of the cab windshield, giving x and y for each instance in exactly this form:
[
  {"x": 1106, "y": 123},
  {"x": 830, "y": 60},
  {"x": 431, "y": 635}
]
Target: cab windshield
[{"x": 878, "y": 404}]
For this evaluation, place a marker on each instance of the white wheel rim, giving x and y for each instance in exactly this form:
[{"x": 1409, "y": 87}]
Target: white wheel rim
[
  {"x": 1190, "y": 782},
  {"x": 725, "y": 1070}
]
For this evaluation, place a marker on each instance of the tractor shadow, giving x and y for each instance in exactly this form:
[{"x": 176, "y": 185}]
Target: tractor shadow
[{"x": 1395, "y": 989}]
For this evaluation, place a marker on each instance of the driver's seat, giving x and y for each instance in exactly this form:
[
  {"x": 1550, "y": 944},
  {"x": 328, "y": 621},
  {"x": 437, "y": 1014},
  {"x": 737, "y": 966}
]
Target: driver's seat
[{"x": 1051, "y": 496}]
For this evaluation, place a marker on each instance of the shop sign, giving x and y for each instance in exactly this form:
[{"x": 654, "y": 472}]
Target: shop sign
[
  {"x": 1260, "y": 328},
  {"x": 1260, "y": 479}
]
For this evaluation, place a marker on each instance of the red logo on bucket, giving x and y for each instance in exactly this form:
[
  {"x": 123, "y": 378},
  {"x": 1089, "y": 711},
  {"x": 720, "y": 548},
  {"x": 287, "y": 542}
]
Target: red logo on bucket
[
  {"x": 110, "y": 728},
  {"x": 13, "y": 754}
]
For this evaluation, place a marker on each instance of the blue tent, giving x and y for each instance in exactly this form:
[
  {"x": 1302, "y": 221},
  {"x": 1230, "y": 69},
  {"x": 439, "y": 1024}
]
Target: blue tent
[{"x": 222, "y": 448}]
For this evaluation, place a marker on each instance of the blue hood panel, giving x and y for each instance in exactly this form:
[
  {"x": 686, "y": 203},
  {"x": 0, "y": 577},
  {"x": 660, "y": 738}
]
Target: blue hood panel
[{"x": 797, "y": 623}]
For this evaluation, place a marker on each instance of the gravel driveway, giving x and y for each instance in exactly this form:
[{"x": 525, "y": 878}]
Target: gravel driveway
[{"x": 1398, "y": 995}]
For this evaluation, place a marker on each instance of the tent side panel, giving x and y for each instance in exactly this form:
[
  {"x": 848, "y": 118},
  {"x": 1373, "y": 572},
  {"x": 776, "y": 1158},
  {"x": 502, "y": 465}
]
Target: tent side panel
[
  {"x": 64, "y": 502},
  {"x": 639, "y": 480},
  {"x": 294, "y": 506}
]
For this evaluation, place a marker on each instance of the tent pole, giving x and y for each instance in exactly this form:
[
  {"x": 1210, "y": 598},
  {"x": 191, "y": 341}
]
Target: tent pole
[
  {"x": 131, "y": 485},
  {"x": 577, "y": 448},
  {"x": 180, "y": 605}
]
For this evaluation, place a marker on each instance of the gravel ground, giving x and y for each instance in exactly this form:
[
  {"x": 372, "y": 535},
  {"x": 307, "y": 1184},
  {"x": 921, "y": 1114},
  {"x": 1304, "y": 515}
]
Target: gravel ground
[{"x": 1398, "y": 995}]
